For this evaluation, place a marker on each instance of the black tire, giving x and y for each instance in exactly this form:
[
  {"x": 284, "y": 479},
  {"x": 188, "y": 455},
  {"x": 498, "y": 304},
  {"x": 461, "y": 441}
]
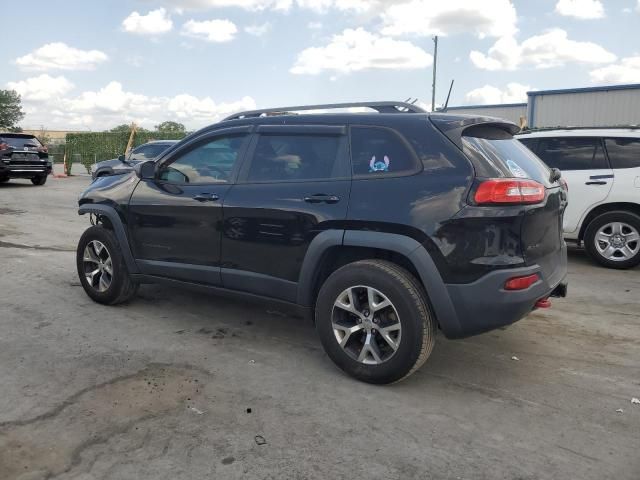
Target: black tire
[
  {"x": 4, "y": 180},
  {"x": 409, "y": 300},
  {"x": 39, "y": 180},
  {"x": 121, "y": 288},
  {"x": 590, "y": 242}
]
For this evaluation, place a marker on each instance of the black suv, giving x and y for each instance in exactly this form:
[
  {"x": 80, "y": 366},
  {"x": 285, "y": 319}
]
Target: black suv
[
  {"x": 383, "y": 226},
  {"x": 23, "y": 156}
]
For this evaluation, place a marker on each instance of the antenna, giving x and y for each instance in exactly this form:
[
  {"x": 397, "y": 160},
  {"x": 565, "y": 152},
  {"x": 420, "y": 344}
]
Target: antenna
[
  {"x": 435, "y": 64},
  {"x": 446, "y": 104}
]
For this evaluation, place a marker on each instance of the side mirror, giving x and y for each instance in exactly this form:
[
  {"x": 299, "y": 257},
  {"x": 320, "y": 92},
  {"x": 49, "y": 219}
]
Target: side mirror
[
  {"x": 122, "y": 158},
  {"x": 146, "y": 170}
]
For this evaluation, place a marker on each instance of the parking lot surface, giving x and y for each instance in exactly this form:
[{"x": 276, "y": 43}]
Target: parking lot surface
[{"x": 180, "y": 385}]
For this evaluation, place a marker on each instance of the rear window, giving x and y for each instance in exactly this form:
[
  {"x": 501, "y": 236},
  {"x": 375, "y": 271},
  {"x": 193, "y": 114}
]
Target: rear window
[
  {"x": 623, "y": 152},
  {"x": 577, "y": 153},
  {"x": 19, "y": 141},
  {"x": 286, "y": 158},
  {"x": 495, "y": 152}
]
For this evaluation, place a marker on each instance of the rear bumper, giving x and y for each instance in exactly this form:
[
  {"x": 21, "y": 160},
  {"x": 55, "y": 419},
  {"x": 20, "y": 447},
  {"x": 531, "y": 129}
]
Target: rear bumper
[
  {"x": 24, "y": 171},
  {"x": 485, "y": 305}
]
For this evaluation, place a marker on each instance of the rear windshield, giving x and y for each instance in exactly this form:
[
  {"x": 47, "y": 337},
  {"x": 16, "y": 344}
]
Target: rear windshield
[
  {"x": 19, "y": 141},
  {"x": 499, "y": 154}
]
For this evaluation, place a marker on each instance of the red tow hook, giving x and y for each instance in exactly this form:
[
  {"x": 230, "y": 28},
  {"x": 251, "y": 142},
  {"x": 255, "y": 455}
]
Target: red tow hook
[{"x": 543, "y": 303}]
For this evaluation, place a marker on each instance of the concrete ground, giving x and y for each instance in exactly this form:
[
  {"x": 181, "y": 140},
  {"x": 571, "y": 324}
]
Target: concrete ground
[{"x": 178, "y": 385}]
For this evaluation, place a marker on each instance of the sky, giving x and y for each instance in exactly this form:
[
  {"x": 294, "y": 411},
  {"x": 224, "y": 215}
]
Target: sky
[{"x": 92, "y": 65}]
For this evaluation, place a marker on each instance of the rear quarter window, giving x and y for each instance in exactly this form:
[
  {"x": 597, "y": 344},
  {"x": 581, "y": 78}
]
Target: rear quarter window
[
  {"x": 378, "y": 151},
  {"x": 623, "y": 152}
]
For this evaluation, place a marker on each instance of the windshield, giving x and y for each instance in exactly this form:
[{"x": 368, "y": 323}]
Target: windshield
[
  {"x": 148, "y": 152},
  {"x": 508, "y": 157}
]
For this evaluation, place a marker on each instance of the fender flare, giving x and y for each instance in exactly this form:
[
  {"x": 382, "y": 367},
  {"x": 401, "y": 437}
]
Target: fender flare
[
  {"x": 118, "y": 228},
  {"x": 437, "y": 292}
]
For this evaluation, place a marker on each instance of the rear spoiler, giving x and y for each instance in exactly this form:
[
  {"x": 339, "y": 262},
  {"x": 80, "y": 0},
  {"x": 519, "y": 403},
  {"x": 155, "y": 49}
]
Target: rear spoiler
[{"x": 453, "y": 126}]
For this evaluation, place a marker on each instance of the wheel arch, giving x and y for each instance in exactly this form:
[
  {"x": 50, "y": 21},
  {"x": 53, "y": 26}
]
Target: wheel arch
[
  {"x": 116, "y": 225},
  {"x": 605, "y": 208},
  {"x": 332, "y": 249}
]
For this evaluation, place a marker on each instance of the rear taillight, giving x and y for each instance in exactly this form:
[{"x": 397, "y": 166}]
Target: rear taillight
[
  {"x": 509, "y": 190},
  {"x": 521, "y": 283},
  {"x": 4, "y": 146}
]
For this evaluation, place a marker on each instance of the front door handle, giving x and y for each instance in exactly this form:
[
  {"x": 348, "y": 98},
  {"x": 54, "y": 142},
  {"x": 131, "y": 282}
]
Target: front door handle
[
  {"x": 206, "y": 197},
  {"x": 322, "y": 198},
  {"x": 597, "y": 182}
]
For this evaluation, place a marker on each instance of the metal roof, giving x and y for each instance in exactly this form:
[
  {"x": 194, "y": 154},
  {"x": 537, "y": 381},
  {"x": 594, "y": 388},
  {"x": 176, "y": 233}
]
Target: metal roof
[{"x": 603, "y": 88}]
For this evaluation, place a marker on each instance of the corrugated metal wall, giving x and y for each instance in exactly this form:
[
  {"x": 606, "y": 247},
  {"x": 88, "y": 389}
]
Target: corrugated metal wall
[
  {"x": 585, "y": 109},
  {"x": 508, "y": 112}
]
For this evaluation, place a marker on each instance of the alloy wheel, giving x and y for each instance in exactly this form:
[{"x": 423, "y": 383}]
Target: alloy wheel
[
  {"x": 97, "y": 264},
  {"x": 617, "y": 241},
  {"x": 366, "y": 325}
]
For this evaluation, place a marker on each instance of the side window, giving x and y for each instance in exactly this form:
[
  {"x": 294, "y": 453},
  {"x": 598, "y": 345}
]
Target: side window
[
  {"x": 530, "y": 143},
  {"x": 578, "y": 153},
  {"x": 211, "y": 162},
  {"x": 281, "y": 158},
  {"x": 148, "y": 152},
  {"x": 623, "y": 152},
  {"x": 379, "y": 151}
]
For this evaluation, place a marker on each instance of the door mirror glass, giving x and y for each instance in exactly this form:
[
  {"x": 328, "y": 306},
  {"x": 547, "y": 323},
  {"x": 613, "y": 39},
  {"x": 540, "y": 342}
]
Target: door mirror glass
[{"x": 145, "y": 170}]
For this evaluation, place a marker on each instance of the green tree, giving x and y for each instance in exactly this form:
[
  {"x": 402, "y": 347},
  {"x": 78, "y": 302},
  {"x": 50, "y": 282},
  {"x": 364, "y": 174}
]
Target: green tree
[
  {"x": 126, "y": 128},
  {"x": 170, "y": 127},
  {"x": 10, "y": 110}
]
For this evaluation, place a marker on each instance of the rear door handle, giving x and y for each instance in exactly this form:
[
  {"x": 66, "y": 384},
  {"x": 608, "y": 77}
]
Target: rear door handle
[
  {"x": 597, "y": 182},
  {"x": 206, "y": 197},
  {"x": 322, "y": 198}
]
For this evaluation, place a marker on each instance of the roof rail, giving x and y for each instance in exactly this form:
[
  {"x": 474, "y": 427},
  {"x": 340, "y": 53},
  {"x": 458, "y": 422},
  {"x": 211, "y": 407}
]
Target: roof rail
[
  {"x": 380, "y": 107},
  {"x": 603, "y": 127}
]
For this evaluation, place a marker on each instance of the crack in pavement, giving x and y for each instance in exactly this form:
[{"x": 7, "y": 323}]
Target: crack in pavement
[
  {"x": 34, "y": 247},
  {"x": 52, "y": 443}
]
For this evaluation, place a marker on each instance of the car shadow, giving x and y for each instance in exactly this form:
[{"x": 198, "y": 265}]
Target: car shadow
[{"x": 256, "y": 327}]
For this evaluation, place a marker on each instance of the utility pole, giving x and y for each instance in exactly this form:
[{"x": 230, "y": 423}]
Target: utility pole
[{"x": 435, "y": 64}]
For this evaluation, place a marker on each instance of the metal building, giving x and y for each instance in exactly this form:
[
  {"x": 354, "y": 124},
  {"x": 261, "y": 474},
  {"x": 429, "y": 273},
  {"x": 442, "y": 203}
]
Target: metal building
[
  {"x": 606, "y": 106},
  {"x": 508, "y": 111},
  {"x": 614, "y": 105}
]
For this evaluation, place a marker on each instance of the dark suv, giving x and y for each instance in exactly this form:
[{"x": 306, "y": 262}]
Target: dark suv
[
  {"x": 382, "y": 226},
  {"x": 23, "y": 156}
]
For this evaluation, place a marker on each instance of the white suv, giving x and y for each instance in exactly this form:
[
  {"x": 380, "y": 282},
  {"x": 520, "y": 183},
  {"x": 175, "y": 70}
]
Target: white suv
[{"x": 602, "y": 170}]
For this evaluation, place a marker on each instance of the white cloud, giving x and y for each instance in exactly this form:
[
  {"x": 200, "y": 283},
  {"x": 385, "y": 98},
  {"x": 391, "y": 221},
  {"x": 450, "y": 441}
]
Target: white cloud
[
  {"x": 626, "y": 71},
  {"x": 550, "y": 49},
  {"x": 113, "y": 105},
  {"x": 210, "y": 30},
  {"x": 489, "y": 18},
  {"x": 60, "y": 56},
  {"x": 156, "y": 22},
  {"x": 582, "y": 9},
  {"x": 251, "y": 5},
  {"x": 355, "y": 50},
  {"x": 42, "y": 87},
  {"x": 513, "y": 93},
  {"x": 319, "y": 6},
  {"x": 259, "y": 29}
]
